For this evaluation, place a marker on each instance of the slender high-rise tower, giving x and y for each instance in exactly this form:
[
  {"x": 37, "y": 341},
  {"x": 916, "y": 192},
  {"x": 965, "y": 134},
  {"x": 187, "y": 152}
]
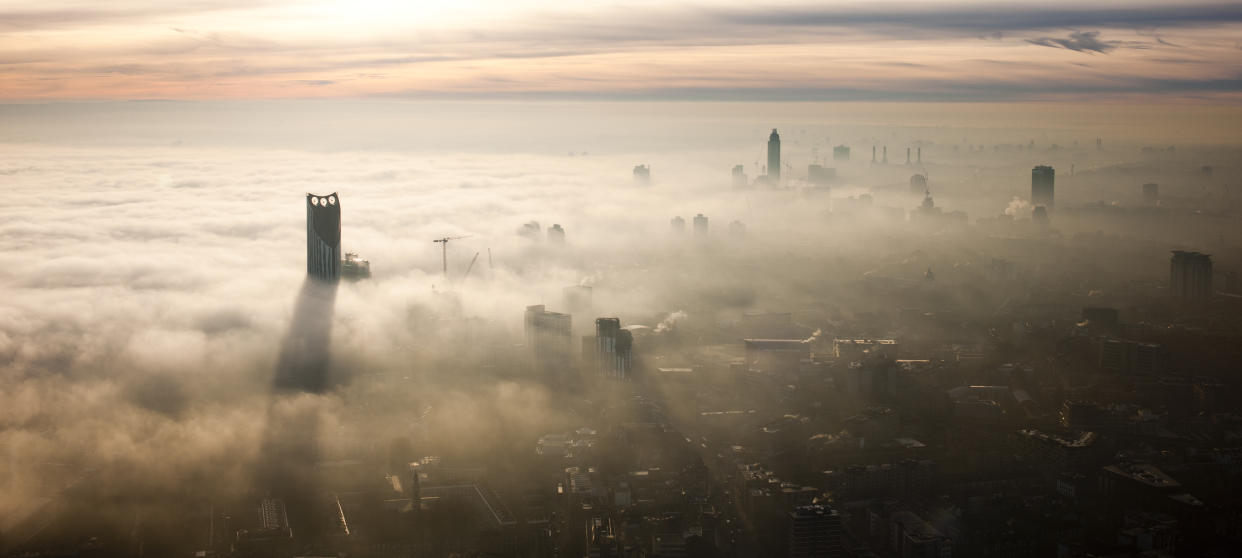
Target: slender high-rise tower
[
  {"x": 774, "y": 156},
  {"x": 323, "y": 237}
]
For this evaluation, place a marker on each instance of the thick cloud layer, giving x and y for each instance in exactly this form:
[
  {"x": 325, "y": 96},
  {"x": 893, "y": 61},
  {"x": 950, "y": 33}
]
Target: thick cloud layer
[{"x": 153, "y": 272}]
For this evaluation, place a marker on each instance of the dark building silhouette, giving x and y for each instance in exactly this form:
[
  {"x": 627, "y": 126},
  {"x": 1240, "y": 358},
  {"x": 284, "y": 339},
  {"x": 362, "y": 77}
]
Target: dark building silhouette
[
  {"x": 642, "y": 174},
  {"x": 556, "y": 234},
  {"x": 355, "y": 267},
  {"x": 548, "y": 339},
  {"x": 920, "y": 155},
  {"x": 531, "y": 230},
  {"x": 677, "y": 225},
  {"x": 1151, "y": 193},
  {"x": 841, "y": 153},
  {"x": 1039, "y": 215},
  {"x": 739, "y": 177},
  {"x": 1042, "y": 179},
  {"x": 814, "y": 532},
  {"x": 1190, "y": 275},
  {"x": 323, "y": 237},
  {"x": 918, "y": 183},
  {"x": 1102, "y": 317},
  {"x": 1131, "y": 357},
  {"x": 820, "y": 175},
  {"x": 774, "y": 156},
  {"x": 700, "y": 225},
  {"x": 885, "y": 161},
  {"x": 613, "y": 347}
]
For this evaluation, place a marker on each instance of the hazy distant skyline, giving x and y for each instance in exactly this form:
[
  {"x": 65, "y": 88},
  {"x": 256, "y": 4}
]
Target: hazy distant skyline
[{"x": 714, "y": 50}]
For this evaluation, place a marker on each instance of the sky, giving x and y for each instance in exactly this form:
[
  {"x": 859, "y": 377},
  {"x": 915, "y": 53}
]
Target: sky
[{"x": 923, "y": 50}]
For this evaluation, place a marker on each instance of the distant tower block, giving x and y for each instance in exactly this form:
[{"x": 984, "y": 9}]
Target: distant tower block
[
  {"x": 918, "y": 183},
  {"x": 1042, "y": 183},
  {"x": 873, "y": 154},
  {"x": 323, "y": 237},
  {"x": 642, "y": 174},
  {"x": 774, "y": 156},
  {"x": 920, "y": 155},
  {"x": 677, "y": 225},
  {"x": 841, "y": 153},
  {"x": 739, "y": 176},
  {"x": 1190, "y": 276},
  {"x": 700, "y": 225},
  {"x": 556, "y": 234},
  {"x": 1151, "y": 193},
  {"x": 820, "y": 175},
  {"x": 885, "y": 155},
  {"x": 907, "y": 155},
  {"x": 549, "y": 340}
]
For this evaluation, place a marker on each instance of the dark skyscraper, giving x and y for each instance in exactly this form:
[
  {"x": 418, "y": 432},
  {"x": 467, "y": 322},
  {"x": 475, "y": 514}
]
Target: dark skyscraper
[
  {"x": 677, "y": 225},
  {"x": 323, "y": 237},
  {"x": 1190, "y": 276},
  {"x": 613, "y": 348},
  {"x": 774, "y": 156},
  {"x": 1042, "y": 179}
]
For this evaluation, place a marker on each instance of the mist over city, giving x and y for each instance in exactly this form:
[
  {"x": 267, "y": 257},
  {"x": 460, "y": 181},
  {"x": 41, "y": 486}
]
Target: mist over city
[{"x": 637, "y": 279}]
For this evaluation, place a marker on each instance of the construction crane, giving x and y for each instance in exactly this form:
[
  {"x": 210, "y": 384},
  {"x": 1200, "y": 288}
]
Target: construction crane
[
  {"x": 444, "y": 249},
  {"x": 469, "y": 267}
]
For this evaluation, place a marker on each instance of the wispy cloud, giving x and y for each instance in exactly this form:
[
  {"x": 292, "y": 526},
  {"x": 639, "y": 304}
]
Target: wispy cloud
[{"x": 1080, "y": 41}]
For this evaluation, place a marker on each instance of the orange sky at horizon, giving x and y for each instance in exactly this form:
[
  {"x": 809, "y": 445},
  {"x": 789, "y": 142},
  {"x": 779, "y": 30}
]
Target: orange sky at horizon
[{"x": 223, "y": 49}]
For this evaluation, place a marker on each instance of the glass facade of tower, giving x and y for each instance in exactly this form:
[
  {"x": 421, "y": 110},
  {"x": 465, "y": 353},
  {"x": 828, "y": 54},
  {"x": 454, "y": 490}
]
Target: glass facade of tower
[
  {"x": 612, "y": 349},
  {"x": 323, "y": 237}
]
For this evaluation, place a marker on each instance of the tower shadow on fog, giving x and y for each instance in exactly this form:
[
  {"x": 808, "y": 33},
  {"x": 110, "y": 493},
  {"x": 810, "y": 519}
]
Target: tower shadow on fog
[
  {"x": 304, "y": 354},
  {"x": 290, "y": 449},
  {"x": 303, "y": 362}
]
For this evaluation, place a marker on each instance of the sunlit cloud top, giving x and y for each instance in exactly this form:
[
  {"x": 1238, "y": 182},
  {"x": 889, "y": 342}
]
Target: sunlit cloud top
[{"x": 912, "y": 50}]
